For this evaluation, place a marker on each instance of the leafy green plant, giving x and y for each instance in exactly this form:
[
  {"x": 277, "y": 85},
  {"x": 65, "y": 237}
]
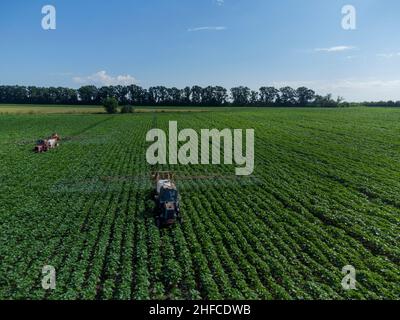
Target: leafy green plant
[
  {"x": 127, "y": 109},
  {"x": 111, "y": 105}
]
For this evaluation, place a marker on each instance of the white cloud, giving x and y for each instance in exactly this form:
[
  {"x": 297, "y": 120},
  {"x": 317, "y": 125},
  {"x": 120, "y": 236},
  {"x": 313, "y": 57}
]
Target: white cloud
[
  {"x": 366, "y": 84},
  {"x": 219, "y": 28},
  {"x": 389, "y": 55},
  {"x": 220, "y": 2},
  {"x": 101, "y": 78},
  {"x": 335, "y": 49},
  {"x": 352, "y": 89}
]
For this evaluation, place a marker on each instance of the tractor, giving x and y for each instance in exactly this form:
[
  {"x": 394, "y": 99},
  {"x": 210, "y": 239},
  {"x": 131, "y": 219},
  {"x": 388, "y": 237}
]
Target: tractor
[
  {"x": 41, "y": 146},
  {"x": 167, "y": 199},
  {"x": 44, "y": 145}
]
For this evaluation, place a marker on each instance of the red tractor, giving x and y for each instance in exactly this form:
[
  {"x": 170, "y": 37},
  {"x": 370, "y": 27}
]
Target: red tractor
[
  {"x": 41, "y": 146},
  {"x": 44, "y": 145}
]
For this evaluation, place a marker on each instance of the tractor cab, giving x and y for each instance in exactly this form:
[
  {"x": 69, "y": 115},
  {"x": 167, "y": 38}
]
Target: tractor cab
[
  {"x": 41, "y": 146},
  {"x": 168, "y": 194},
  {"x": 41, "y": 142}
]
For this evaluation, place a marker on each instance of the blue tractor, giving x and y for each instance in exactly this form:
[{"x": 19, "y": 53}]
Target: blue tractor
[{"x": 167, "y": 200}]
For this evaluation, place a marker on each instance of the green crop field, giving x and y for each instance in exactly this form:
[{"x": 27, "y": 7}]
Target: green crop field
[
  {"x": 325, "y": 193},
  {"x": 48, "y": 109},
  {"x": 15, "y": 109}
]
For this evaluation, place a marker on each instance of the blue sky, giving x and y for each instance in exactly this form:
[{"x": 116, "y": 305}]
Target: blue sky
[{"x": 205, "y": 42}]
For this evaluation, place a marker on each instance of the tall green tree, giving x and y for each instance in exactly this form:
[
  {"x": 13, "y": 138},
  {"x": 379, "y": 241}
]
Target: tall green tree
[
  {"x": 186, "y": 95},
  {"x": 111, "y": 105},
  {"x": 254, "y": 98},
  {"x": 269, "y": 95},
  {"x": 241, "y": 95},
  {"x": 197, "y": 95},
  {"x": 88, "y": 94},
  {"x": 287, "y": 96},
  {"x": 304, "y": 96}
]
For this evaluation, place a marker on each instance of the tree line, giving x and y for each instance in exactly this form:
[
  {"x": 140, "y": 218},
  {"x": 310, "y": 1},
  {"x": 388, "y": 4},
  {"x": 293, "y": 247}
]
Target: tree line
[
  {"x": 389, "y": 103},
  {"x": 163, "y": 96}
]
